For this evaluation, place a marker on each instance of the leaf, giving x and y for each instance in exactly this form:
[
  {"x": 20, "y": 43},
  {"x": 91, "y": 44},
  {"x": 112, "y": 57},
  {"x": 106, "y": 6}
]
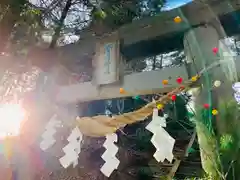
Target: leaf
[
  {"x": 226, "y": 141},
  {"x": 100, "y": 14}
]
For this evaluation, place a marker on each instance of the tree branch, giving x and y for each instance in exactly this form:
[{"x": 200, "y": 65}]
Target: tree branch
[{"x": 60, "y": 24}]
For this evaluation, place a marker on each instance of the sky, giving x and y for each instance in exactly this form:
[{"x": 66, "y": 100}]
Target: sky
[{"x": 171, "y": 4}]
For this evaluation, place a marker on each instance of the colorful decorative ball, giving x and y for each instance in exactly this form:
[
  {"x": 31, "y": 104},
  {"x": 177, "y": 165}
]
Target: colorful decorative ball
[
  {"x": 206, "y": 106},
  {"x": 173, "y": 97},
  {"x": 136, "y": 97},
  {"x": 217, "y": 83},
  {"x": 160, "y": 106},
  {"x": 214, "y": 112},
  {"x": 215, "y": 50},
  {"x": 177, "y": 19},
  {"x": 121, "y": 90},
  {"x": 190, "y": 114},
  {"x": 179, "y": 80},
  {"x": 165, "y": 82},
  {"x": 194, "y": 78},
  {"x": 190, "y": 150}
]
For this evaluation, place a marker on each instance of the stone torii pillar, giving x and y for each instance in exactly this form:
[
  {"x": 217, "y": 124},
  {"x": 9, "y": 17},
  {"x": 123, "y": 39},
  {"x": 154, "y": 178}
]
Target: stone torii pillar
[{"x": 198, "y": 45}]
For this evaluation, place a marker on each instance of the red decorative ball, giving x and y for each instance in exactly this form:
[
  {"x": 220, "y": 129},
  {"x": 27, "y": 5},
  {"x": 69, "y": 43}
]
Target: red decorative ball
[
  {"x": 215, "y": 50},
  {"x": 174, "y": 97},
  {"x": 179, "y": 80},
  {"x": 206, "y": 106}
]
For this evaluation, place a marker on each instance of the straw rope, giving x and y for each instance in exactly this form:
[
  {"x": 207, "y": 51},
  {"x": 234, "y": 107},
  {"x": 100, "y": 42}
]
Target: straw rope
[{"x": 102, "y": 125}]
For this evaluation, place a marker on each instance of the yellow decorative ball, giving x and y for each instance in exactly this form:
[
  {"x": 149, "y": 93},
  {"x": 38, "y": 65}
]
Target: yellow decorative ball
[
  {"x": 121, "y": 90},
  {"x": 214, "y": 112},
  {"x": 177, "y": 19},
  {"x": 165, "y": 82},
  {"x": 159, "y": 106},
  {"x": 194, "y": 78}
]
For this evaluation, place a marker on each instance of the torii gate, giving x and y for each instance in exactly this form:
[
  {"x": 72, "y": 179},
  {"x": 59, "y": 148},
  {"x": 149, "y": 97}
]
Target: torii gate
[
  {"x": 197, "y": 34},
  {"x": 200, "y": 28},
  {"x": 201, "y": 34}
]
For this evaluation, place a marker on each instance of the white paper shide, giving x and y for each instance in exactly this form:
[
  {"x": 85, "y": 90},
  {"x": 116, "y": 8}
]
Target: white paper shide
[
  {"x": 109, "y": 156},
  {"x": 48, "y": 139},
  {"x": 162, "y": 141},
  {"x": 72, "y": 149}
]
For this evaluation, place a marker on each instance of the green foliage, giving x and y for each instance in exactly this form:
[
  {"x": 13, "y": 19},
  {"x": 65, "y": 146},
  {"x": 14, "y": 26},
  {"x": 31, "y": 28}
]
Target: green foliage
[
  {"x": 27, "y": 29},
  {"x": 99, "y": 14},
  {"x": 224, "y": 146},
  {"x": 226, "y": 141},
  {"x": 229, "y": 138},
  {"x": 11, "y": 9},
  {"x": 17, "y": 5},
  {"x": 207, "y": 142},
  {"x": 22, "y": 23},
  {"x": 115, "y": 13}
]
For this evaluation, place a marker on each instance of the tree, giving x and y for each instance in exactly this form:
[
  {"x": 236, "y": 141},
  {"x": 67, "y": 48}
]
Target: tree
[
  {"x": 118, "y": 13},
  {"x": 10, "y": 14}
]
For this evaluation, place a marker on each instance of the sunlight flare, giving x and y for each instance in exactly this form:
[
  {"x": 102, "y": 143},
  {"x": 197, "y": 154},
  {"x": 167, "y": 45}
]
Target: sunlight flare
[{"x": 11, "y": 117}]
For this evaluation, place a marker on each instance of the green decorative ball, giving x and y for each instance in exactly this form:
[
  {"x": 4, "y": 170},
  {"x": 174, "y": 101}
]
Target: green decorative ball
[
  {"x": 190, "y": 114},
  {"x": 190, "y": 150},
  {"x": 136, "y": 97}
]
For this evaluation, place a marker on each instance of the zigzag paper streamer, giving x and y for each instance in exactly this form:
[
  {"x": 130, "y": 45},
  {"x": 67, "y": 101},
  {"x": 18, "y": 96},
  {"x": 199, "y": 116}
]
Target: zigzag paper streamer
[
  {"x": 162, "y": 141},
  {"x": 109, "y": 156},
  {"x": 72, "y": 149},
  {"x": 47, "y": 137}
]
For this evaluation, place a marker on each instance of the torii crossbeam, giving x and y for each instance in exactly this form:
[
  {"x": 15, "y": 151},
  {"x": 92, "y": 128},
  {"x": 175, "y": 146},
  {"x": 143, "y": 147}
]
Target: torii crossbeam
[{"x": 107, "y": 78}]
